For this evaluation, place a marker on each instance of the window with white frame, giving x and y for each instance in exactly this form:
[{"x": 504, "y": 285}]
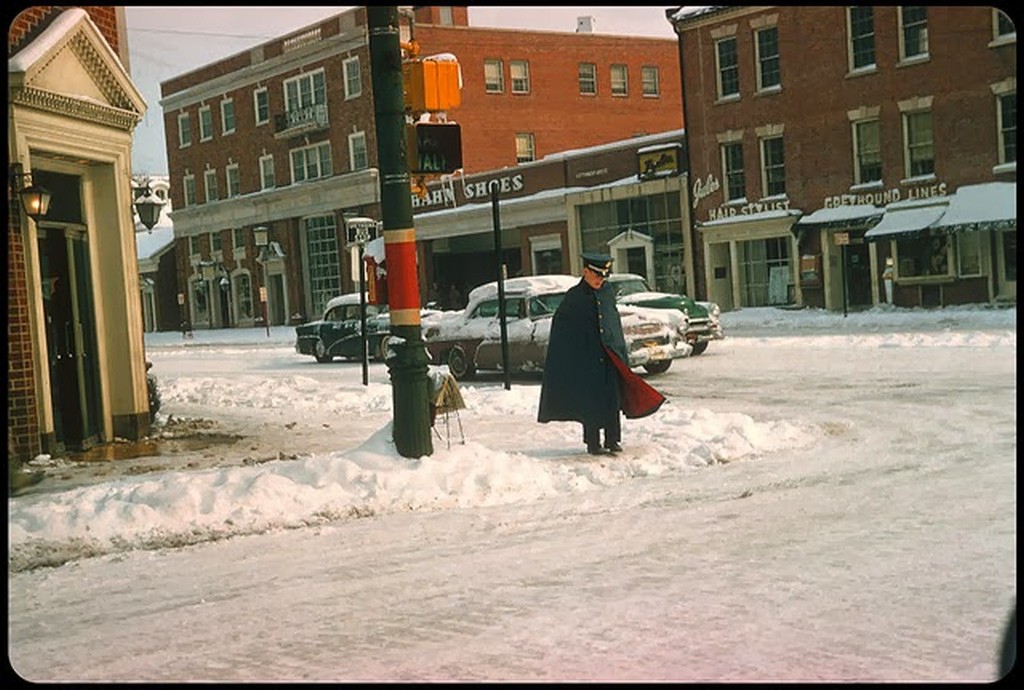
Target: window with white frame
[
  {"x": 728, "y": 67},
  {"x": 862, "y": 37},
  {"x": 311, "y": 162},
  {"x": 324, "y": 272},
  {"x": 188, "y": 187},
  {"x": 867, "y": 151},
  {"x": 238, "y": 238},
  {"x": 267, "y": 179},
  {"x": 650, "y": 82},
  {"x": 732, "y": 171},
  {"x": 913, "y": 32},
  {"x": 1004, "y": 30},
  {"x": 619, "y": 78},
  {"x": 227, "y": 115},
  {"x": 773, "y": 166},
  {"x": 494, "y": 76},
  {"x": 445, "y": 15},
  {"x": 968, "y": 254},
  {"x": 588, "y": 78},
  {"x": 357, "y": 154},
  {"x": 234, "y": 180},
  {"x": 194, "y": 245},
  {"x": 924, "y": 255},
  {"x": 305, "y": 91},
  {"x": 205, "y": 123},
  {"x": 525, "y": 150},
  {"x": 1008, "y": 128},
  {"x": 519, "y": 74},
  {"x": 184, "y": 130},
  {"x": 353, "y": 77},
  {"x": 210, "y": 185},
  {"x": 215, "y": 245},
  {"x": 261, "y": 105},
  {"x": 919, "y": 147},
  {"x": 767, "y": 44}
]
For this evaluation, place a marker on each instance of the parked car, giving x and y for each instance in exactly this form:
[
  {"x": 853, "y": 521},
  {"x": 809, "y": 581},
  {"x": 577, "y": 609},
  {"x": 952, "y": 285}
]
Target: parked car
[
  {"x": 337, "y": 334},
  {"x": 469, "y": 340},
  {"x": 704, "y": 317}
]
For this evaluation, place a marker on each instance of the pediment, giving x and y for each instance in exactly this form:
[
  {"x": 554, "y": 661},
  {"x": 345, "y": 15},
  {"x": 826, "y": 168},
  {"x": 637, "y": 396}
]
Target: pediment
[{"x": 70, "y": 68}]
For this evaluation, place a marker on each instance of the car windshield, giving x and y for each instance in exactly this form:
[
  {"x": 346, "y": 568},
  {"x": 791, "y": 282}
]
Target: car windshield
[
  {"x": 629, "y": 286},
  {"x": 489, "y": 308}
]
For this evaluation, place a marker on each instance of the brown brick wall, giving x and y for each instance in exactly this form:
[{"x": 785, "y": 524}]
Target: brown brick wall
[
  {"x": 22, "y": 409},
  {"x": 29, "y": 22}
]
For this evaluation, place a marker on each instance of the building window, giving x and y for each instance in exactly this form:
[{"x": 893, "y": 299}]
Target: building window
[
  {"x": 357, "y": 155},
  {"x": 867, "y": 153},
  {"x": 768, "y": 75},
  {"x": 620, "y": 80},
  {"x": 920, "y": 151},
  {"x": 261, "y": 105},
  {"x": 184, "y": 131},
  {"x": 205, "y": 123},
  {"x": 243, "y": 295},
  {"x": 1008, "y": 128},
  {"x": 234, "y": 181},
  {"x": 324, "y": 266},
  {"x": 728, "y": 68},
  {"x": 650, "y": 82},
  {"x": 968, "y": 254},
  {"x": 353, "y": 77},
  {"x": 267, "y": 180},
  {"x": 519, "y": 73},
  {"x": 494, "y": 76},
  {"x": 215, "y": 245},
  {"x": 758, "y": 260},
  {"x": 926, "y": 255},
  {"x": 1003, "y": 26},
  {"x": 188, "y": 186},
  {"x": 525, "y": 150},
  {"x": 311, "y": 162},
  {"x": 773, "y": 166},
  {"x": 446, "y": 18},
  {"x": 227, "y": 116},
  {"x": 913, "y": 32},
  {"x": 305, "y": 91},
  {"x": 732, "y": 171},
  {"x": 210, "y": 184},
  {"x": 862, "y": 38},
  {"x": 588, "y": 78},
  {"x": 238, "y": 238},
  {"x": 193, "y": 245}
]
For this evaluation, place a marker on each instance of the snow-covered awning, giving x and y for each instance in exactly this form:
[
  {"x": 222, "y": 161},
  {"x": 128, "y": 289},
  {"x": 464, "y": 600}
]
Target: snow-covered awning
[
  {"x": 841, "y": 217},
  {"x": 988, "y": 206},
  {"x": 907, "y": 219}
]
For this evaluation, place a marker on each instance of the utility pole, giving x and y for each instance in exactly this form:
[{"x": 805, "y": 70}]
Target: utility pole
[{"x": 410, "y": 386}]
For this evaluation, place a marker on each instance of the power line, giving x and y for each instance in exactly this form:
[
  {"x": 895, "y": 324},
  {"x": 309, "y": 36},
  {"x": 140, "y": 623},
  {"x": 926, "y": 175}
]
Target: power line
[{"x": 200, "y": 33}]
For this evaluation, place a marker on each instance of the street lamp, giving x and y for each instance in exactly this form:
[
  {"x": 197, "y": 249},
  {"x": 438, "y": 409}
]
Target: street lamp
[
  {"x": 148, "y": 205},
  {"x": 261, "y": 236},
  {"x": 35, "y": 200}
]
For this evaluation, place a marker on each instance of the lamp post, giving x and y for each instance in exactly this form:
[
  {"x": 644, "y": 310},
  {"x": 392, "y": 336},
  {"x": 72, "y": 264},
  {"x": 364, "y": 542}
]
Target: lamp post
[
  {"x": 209, "y": 273},
  {"x": 261, "y": 236}
]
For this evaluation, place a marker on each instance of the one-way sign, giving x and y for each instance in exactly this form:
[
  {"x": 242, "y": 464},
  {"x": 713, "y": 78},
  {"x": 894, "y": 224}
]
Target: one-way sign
[{"x": 361, "y": 230}]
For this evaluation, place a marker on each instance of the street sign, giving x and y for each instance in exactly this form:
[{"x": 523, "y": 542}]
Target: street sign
[
  {"x": 263, "y": 294},
  {"x": 360, "y": 230},
  {"x": 842, "y": 238}
]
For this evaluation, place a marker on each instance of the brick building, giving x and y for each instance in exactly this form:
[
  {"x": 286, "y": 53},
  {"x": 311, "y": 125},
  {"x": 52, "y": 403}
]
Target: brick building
[
  {"x": 76, "y": 364},
  {"x": 829, "y": 144},
  {"x": 283, "y": 136}
]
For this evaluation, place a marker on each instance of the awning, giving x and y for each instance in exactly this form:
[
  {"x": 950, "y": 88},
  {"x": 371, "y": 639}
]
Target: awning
[
  {"x": 989, "y": 206},
  {"x": 841, "y": 217},
  {"x": 906, "y": 219}
]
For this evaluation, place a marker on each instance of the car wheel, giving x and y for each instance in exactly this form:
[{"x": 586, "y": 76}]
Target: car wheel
[
  {"x": 699, "y": 348},
  {"x": 322, "y": 355},
  {"x": 458, "y": 363},
  {"x": 659, "y": 367}
]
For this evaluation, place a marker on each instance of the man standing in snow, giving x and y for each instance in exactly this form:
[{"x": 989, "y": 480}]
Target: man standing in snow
[{"x": 586, "y": 373}]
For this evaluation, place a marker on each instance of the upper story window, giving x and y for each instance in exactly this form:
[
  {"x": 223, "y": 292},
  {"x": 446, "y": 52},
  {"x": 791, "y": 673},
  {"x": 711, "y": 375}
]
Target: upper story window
[
  {"x": 234, "y": 180},
  {"x": 519, "y": 73},
  {"x": 773, "y": 166},
  {"x": 1008, "y": 128},
  {"x": 867, "y": 152},
  {"x": 238, "y": 238},
  {"x": 1003, "y": 27},
  {"x": 261, "y": 105},
  {"x": 210, "y": 184},
  {"x": 188, "y": 187},
  {"x": 353, "y": 77},
  {"x": 913, "y": 32},
  {"x": 525, "y": 149},
  {"x": 205, "y": 123},
  {"x": 732, "y": 171},
  {"x": 919, "y": 144},
  {"x": 650, "y": 81},
  {"x": 194, "y": 245},
  {"x": 227, "y": 116},
  {"x": 357, "y": 155},
  {"x": 184, "y": 130},
  {"x": 215, "y": 245},
  {"x": 445, "y": 17},
  {"x": 620, "y": 80},
  {"x": 588, "y": 78},
  {"x": 728, "y": 67},
  {"x": 305, "y": 91},
  {"x": 767, "y": 44},
  {"x": 862, "y": 38},
  {"x": 267, "y": 180},
  {"x": 311, "y": 162},
  {"x": 494, "y": 76}
]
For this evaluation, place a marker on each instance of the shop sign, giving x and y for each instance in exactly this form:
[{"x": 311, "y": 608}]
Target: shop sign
[
  {"x": 748, "y": 209},
  {"x": 885, "y": 196},
  {"x": 445, "y": 194},
  {"x": 841, "y": 238}
]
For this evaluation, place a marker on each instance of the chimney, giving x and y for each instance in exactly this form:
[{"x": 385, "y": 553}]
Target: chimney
[{"x": 584, "y": 25}]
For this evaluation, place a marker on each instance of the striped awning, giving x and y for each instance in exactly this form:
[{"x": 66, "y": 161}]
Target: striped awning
[
  {"x": 907, "y": 221},
  {"x": 988, "y": 206}
]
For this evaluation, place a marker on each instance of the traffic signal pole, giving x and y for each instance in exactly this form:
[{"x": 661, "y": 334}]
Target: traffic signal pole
[{"x": 410, "y": 387}]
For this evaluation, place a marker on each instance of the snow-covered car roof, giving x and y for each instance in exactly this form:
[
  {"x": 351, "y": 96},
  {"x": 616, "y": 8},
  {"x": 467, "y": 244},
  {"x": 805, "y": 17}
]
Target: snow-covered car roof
[
  {"x": 350, "y": 298},
  {"x": 523, "y": 285}
]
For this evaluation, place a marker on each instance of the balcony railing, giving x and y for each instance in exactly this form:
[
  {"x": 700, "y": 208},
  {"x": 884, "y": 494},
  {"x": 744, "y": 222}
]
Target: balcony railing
[{"x": 301, "y": 120}]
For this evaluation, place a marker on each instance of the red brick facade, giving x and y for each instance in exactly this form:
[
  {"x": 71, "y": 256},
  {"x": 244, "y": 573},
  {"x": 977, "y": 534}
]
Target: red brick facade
[{"x": 30, "y": 20}]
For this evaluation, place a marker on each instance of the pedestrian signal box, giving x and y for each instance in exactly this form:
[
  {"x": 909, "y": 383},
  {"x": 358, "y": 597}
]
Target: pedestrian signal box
[
  {"x": 434, "y": 147},
  {"x": 431, "y": 85}
]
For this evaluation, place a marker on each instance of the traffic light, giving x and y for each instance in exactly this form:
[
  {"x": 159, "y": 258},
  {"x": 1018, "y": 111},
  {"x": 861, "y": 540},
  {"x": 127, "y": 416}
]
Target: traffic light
[
  {"x": 434, "y": 147},
  {"x": 431, "y": 85}
]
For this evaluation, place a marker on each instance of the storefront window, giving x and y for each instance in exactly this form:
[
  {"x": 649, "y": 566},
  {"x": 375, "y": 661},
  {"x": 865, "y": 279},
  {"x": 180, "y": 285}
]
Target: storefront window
[
  {"x": 927, "y": 255},
  {"x": 765, "y": 271},
  {"x": 243, "y": 292},
  {"x": 324, "y": 267},
  {"x": 968, "y": 252}
]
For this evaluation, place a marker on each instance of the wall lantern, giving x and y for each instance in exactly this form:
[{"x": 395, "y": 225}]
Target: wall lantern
[
  {"x": 148, "y": 205},
  {"x": 35, "y": 200}
]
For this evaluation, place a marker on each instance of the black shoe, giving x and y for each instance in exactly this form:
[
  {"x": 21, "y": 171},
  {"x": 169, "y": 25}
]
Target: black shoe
[
  {"x": 614, "y": 448},
  {"x": 596, "y": 450}
]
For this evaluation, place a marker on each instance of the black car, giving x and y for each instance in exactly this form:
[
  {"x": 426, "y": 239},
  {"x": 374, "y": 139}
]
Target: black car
[{"x": 337, "y": 334}]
